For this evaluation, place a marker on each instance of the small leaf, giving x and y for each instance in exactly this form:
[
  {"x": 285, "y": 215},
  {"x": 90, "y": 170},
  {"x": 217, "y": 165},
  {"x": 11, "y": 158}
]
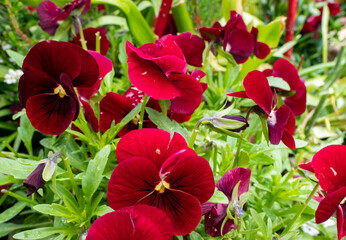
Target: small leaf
[
  {"x": 40, "y": 233},
  {"x": 18, "y": 58},
  {"x": 271, "y": 33},
  {"x": 279, "y": 83},
  {"x": 164, "y": 105},
  {"x": 102, "y": 210},
  {"x": 26, "y": 132},
  {"x": 11, "y": 212},
  {"x": 53, "y": 210},
  {"x": 244, "y": 160},
  {"x": 218, "y": 197},
  {"x": 63, "y": 29}
]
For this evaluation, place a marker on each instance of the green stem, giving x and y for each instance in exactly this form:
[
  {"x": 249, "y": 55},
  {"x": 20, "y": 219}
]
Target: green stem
[
  {"x": 98, "y": 42},
  {"x": 141, "y": 118},
  {"x": 182, "y": 17},
  {"x": 194, "y": 133},
  {"x": 295, "y": 218},
  {"x": 324, "y": 30},
  {"x": 18, "y": 197},
  {"x": 71, "y": 176},
  {"x": 81, "y": 34}
]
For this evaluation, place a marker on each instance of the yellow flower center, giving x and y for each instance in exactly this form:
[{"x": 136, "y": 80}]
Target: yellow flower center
[
  {"x": 60, "y": 90},
  {"x": 162, "y": 186},
  {"x": 136, "y": 119}
]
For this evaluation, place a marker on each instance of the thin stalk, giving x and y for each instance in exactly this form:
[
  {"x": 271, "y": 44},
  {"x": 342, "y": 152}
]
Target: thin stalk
[
  {"x": 182, "y": 17},
  {"x": 194, "y": 133},
  {"x": 98, "y": 42},
  {"x": 295, "y": 218},
  {"x": 18, "y": 197},
  {"x": 291, "y": 20},
  {"x": 81, "y": 34},
  {"x": 324, "y": 30},
  {"x": 141, "y": 118}
]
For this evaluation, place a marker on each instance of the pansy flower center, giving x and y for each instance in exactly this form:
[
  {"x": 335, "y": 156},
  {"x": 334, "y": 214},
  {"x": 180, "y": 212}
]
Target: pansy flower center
[
  {"x": 162, "y": 186},
  {"x": 60, "y": 90},
  {"x": 136, "y": 119}
]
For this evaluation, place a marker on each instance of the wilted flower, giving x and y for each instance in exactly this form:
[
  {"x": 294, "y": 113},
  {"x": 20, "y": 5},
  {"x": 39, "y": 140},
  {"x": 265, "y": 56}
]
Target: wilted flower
[
  {"x": 132, "y": 223},
  {"x": 157, "y": 170}
]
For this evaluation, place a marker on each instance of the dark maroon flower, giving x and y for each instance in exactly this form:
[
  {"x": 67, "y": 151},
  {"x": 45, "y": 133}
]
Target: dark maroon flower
[
  {"x": 215, "y": 32},
  {"x": 281, "y": 122},
  {"x": 329, "y": 166},
  {"x": 35, "y": 181},
  {"x": 312, "y": 24},
  {"x": 261, "y": 50},
  {"x": 334, "y": 8},
  {"x": 157, "y": 170},
  {"x": 50, "y": 14},
  {"x": 90, "y": 38},
  {"x": 159, "y": 70},
  {"x": 46, "y": 89},
  {"x": 215, "y": 213},
  {"x": 132, "y": 223}
]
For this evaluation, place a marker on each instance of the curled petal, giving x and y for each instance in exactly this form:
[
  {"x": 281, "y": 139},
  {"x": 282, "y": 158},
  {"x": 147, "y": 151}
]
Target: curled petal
[
  {"x": 48, "y": 12},
  {"x": 276, "y": 123},
  {"x": 214, "y": 32},
  {"x": 35, "y": 181},
  {"x": 287, "y": 136},
  {"x": 90, "y": 115},
  {"x": 239, "y": 43}
]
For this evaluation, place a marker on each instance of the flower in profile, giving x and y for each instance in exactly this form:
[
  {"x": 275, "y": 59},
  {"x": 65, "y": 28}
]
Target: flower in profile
[
  {"x": 261, "y": 49},
  {"x": 285, "y": 70},
  {"x": 159, "y": 170},
  {"x": 281, "y": 121},
  {"x": 46, "y": 89},
  {"x": 51, "y": 15},
  {"x": 132, "y": 223},
  {"x": 215, "y": 213},
  {"x": 329, "y": 166}
]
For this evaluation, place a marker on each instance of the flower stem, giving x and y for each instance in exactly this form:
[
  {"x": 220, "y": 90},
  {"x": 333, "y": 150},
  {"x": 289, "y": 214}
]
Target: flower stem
[
  {"x": 182, "y": 17},
  {"x": 98, "y": 42},
  {"x": 141, "y": 118},
  {"x": 18, "y": 197},
  {"x": 291, "y": 19},
  {"x": 295, "y": 218},
  {"x": 194, "y": 133},
  {"x": 81, "y": 34}
]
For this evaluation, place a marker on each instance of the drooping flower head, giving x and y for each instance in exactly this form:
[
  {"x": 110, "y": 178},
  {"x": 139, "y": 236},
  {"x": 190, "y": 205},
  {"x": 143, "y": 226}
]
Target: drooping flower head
[
  {"x": 132, "y": 223},
  {"x": 281, "y": 121},
  {"x": 159, "y": 170},
  {"x": 46, "y": 89},
  {"x": 329, "y": 166},
  {"x": 215, "y": 213}
]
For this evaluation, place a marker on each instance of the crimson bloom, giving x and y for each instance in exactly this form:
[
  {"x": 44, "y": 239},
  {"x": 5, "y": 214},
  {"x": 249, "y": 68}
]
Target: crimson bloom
[
  {"x": 215, "y": 213},
  {"x": 329, "y": 166},
  {"x": 159, "y": 70},
  {"x": 281, "y": 122},
  {"x": 132, "y": 223},
  {"x": 46, "y": 89},
  {"x": 50, "y": 14},
  {"x": 155, "y": 169},
  {"x": 35, "y": 181}
]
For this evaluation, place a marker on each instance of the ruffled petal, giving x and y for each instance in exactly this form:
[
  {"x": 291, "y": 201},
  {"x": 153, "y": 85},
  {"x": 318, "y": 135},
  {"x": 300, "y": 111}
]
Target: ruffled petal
[
  {"x": 90, "y": 115},
  {"x": 47, "y": 12},
  {"x": 276, "y": 122},
  {"x": 169, "y": 47},
  {"x": 213, "y": 221},
  {"x": 240, "y": 43}
]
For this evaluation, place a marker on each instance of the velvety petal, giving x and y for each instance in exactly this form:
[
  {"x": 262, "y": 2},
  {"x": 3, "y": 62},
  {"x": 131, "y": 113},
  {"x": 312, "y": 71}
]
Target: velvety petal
[
  {"x": 257, "y": 88},
  {"x": 145, "y": 229},
  {"x": 334, "y": 8},
  {"x": 35, "y": 82},
  {"x": 329, "y": 205},
  {"x": 170, "y": 64},
  {"x": 190, "y": 94},
  {"x": 307, "y": 166},
  {"x": 228, "y": 181},
  {"x": 287, "y": 136},
  {"x": 169, "y": 47},
  {"x": 276, "y": 121},
  {"x": 50, "y": 114},
  {"x": 297, "y": 102},
  {"x": 90, "y": 38},
  {"x": 68, "y": 87},
  {"x": 212, "y": 33},
  {"x": 113, "y": 107},
  {"x": 330, "y": 167},
  {"x": 190, "y": 174},
  {"x": 148, "y": 77},
  {"x": 312, "y": 24},
  {"x": 162, "y": 18},
  {"x": 131, "y": 181},
  {"x": 180, "y": 118},
  {"x": 35, "y": 181},
  {"x": 47, "y": 12},
  {"x": 183, "y": 209},
  {"x": 241, "y": 94},
  {"x": 198, "y": 74},
  {"x": 105, "y": 66},
  {"x": 193, "y": 55},
  {"x": 240, "y": 43},
  {"x": 155, "y": 145},
  {"x": 90, "y": 115},
  {"x": 341, "y": 221},
  {"x": 54, "y": 58},
  {"x": 261, "y": 50}
]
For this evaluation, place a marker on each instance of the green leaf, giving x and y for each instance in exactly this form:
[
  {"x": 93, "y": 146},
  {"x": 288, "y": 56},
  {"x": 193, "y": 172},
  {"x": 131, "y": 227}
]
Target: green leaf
[
  {"x": 244, "y": 160},
  {"x": 40, "y": 233},
  {"x": 102, "y": 210},
  {"x": 279, "y": 83},
  {"x": 164, "y": 105},
  {"x": 259, "y": 221},
  {"x": 108, "y": 20},
  {"x": 18, "y": 58},
  {"x": 11, "y": 212},
  {"x": 63, "y": 30},
  {"x": 26, "y": 132},
  {"x": 135, "y": 21},
  {"x": 271, "y": 33},
  {"x": 53, "y": 210},
  {"x": 94, "y": 173},
  {"x": 195, "y": 236},
  {"x": 218, "y": 197},
  {"x": 16, "y": 169},
  {"x": 163, "y": 122},
  {"x": 69, "y": 200}
]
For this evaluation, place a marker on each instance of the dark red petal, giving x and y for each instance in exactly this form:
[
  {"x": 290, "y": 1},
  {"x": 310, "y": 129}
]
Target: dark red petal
[
  {"x": 148, "y": 77},
  {"x": 288, "y": 140},
  {"x": 228, "y": 181},
  {"x": 169, "y": 47},
  {"x": 257, "y": 88},
  {"x": 180, "y": 118},
  {"x": 287, "y": 136},
  {"x": 146, "y": 229},
  {"x": 297, "y": 102},
  {"x": 261, "y": 50},
  {"x": 329, "y": 205},
  {"x": 90, "y": 115},
  {"x": 183, "y": 209},
  {"x": 35, "y": 82},
  {"x": 156, "y": 216},
  {"x": 35, "y": 181},
  {"x": 193, "y": 55},
  {"x": 341, "y": 221},
  {"x": 105, "y": 66},
  {"x": 330, "y": 167},
  {"x": 198, "y": 74},
  {"x": 47, "y": 12},
  {"x": 50, "y": 114},
  {"x": 153, "y": 144},
  {"x": 170, "y": 63},
  {"x": 190, "y": 93},
  {"x": 190, "y": 174},
  {"x": 68, "y": 87},
  {"x": 212, "y": 33},
  {"x": 131, "y": 181},
  {"x": 268, "y": 72},
  {"x": 90, "y": 38},
  {"x": 334, "y": 8},
  {"x": 113, "y": 107},
  {"x": 276, "y": 121},
  {"x": 147, "y": 51},
  {"x": 162, "y": 18},
  {"x": 307, "y": 166},
  {"x": 54, "y": 58},
  {"x": 240, "y": 94}
]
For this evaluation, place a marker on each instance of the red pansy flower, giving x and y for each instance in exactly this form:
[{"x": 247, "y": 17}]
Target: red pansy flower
[
  {"x": 285, "y": 70},
  {"x": 281, "y": 122},
  {"x": 261, "y": 49},
  {"x": 159, "y": 170},
  {"x": 46, "y": 89},
  {"x": 215, "y": 213},
  {"x": 329, "y": 166},
  {"x": 132, "y": 223},
  {"x": 159, "y": 70},
  {"x": 50, "y": 14},
  {"x": 90, "y": 38}
]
